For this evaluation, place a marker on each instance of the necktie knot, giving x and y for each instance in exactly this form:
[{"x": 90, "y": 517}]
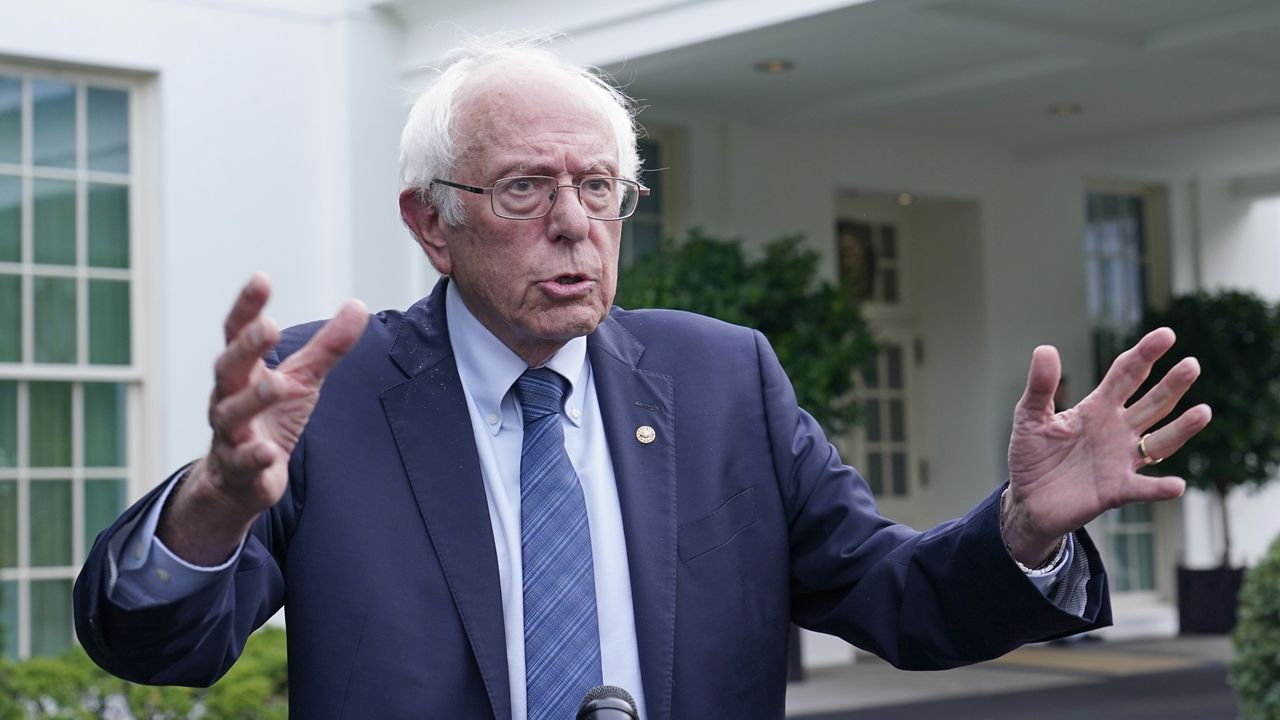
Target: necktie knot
[{"x": 540, "y": 392}]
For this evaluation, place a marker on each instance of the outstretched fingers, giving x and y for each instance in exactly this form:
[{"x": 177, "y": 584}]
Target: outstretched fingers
[
  {"x": 1133, "y": 366},
  {"x": 1169, "y": 439},
  {"x": 322, "y": 352},
  {"x": 1160, "y": 400},
  {"x": 249, "y": 303}
]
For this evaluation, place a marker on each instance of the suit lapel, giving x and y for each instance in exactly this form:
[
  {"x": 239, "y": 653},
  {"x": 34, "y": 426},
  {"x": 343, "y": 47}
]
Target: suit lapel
[
  {"x": 432, "y": 428},
  {"x": 646, "y": 477}
]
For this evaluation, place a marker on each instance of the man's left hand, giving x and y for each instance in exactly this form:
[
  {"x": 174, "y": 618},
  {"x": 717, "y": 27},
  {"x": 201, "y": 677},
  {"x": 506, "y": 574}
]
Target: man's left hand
[{"x": 1066, "y": 469}]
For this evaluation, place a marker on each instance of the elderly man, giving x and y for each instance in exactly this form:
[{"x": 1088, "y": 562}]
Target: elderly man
[{"x": 514, "y": 492}]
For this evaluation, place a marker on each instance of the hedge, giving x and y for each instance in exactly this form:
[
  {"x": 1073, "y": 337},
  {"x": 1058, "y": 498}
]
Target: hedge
[{"x": 1255, "y": 669}]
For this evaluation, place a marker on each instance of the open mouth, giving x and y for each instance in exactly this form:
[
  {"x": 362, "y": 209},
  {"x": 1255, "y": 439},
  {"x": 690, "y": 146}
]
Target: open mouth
[{"x": 569, "y": 279}]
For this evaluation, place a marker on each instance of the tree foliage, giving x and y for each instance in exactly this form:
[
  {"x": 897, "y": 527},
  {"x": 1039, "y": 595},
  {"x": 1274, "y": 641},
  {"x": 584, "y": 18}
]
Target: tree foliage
[
  {"x": 1236, "y": 338},
  {"x": 815, "y": 328},
  {"x": 1255, "y": 668},
  {"x": 71, "y": 687}
]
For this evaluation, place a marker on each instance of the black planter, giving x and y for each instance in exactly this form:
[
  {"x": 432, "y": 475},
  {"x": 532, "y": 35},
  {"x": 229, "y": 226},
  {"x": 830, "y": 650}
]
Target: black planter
[{"x": 1207, "y": 600}]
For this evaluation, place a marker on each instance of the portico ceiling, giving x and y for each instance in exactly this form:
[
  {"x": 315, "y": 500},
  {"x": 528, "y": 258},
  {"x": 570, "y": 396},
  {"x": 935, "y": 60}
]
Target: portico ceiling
[{"x": 1172, "y": 85}]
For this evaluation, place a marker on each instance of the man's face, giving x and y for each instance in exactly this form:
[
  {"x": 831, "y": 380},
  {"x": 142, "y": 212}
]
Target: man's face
[{"x": 535, "y": 284}]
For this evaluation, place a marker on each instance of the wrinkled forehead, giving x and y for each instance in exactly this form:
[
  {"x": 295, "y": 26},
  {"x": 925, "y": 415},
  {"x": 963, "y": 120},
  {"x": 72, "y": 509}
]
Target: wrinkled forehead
[{"x": 508, "y": 115}]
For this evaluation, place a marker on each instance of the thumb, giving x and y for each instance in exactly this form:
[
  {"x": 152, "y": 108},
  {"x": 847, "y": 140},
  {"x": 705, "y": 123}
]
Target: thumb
[{"x": 1042, "y": 381}]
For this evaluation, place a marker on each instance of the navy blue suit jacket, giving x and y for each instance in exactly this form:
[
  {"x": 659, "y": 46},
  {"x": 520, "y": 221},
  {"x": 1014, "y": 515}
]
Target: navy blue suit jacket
[{"x": 739, "y": 517}]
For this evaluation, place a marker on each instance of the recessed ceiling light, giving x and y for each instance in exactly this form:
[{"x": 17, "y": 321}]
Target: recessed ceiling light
[
  {"x": 905, "y": 199},
  {"x": 775, "y": 66},
  {"x": 1065, "y": 109}
]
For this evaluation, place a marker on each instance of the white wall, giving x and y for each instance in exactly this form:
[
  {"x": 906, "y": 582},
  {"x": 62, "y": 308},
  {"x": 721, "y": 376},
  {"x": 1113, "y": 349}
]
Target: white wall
[{"x": 259, "y": 156}]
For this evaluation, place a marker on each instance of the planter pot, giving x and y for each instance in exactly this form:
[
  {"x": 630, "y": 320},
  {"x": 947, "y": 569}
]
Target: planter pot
[{"x": 1207, "y": 600}]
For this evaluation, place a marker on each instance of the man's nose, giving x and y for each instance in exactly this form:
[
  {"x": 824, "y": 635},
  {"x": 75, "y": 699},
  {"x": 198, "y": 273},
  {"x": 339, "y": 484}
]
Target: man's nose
[{"x": 568, "y": 215}]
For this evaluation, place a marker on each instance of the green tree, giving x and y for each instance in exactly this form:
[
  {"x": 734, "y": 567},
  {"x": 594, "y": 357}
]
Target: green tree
[
  {"x": 1236, "y": 338},
  {"x": 815, "y": 328}
]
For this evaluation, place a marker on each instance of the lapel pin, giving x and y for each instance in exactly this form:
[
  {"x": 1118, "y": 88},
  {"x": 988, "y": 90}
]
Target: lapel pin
[{"x": 645, "y": 434}]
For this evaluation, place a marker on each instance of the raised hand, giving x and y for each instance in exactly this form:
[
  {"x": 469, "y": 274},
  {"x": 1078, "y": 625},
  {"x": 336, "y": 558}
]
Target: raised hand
[
  {"x": 257, "y": 415},
  {"x": 1065, "y": 469}
]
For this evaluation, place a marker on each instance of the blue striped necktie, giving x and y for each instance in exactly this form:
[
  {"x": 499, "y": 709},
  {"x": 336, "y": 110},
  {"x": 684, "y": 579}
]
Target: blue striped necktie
[{"x": 561, "y": 635}]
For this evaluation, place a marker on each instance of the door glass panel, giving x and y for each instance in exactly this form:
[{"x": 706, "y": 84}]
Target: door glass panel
[
  {"x": 108, "y": 112},
  {"x": 54, "y": 123},
  {"x": 10, "y": 218},
  {"x": 55, "y": 319},
  {"x": 54, "y": 221},
  {"x": 10, "y": 119},
  {"x": 898, "y": 465},
  {"x": 50, "y": 616},
  {"x": 109, "y": 322},
  {"x": 10, "y": 318},
  {"x": 50, "y": 523},
  {"x": 108, "y": 225},
  {"x": 104, "y": 425},
  {"x": 873, "y": 420},
  {"x": 875, "y": 472},
  {"x": 50, "y": 438}
]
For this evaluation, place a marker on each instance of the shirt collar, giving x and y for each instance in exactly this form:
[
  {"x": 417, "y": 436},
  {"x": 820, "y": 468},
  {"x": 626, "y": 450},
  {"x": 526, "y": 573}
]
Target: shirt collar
[{"x": 488, "y": 368}]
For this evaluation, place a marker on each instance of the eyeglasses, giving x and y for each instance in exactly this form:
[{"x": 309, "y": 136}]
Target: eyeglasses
[{"x": 529, "y": 197}]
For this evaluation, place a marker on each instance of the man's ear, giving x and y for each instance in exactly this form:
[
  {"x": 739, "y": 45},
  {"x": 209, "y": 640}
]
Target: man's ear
[{"x": 424, "y": 221}]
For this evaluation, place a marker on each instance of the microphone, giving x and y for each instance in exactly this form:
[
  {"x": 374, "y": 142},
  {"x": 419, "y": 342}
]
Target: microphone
[{"x": 607, "y": 702}]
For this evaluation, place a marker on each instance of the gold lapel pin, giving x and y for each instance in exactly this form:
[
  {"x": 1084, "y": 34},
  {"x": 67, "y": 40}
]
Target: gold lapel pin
[{"x": 645, "y": 434}]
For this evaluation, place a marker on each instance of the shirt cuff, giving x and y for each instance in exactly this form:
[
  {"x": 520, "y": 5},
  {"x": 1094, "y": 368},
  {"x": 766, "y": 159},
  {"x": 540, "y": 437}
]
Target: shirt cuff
[
  {"x": 150, "y": 574},
  {"x": 1045, "y": 578}
]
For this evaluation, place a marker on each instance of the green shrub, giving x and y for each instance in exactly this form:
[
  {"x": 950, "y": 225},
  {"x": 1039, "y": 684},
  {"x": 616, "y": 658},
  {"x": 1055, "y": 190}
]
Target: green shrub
[
  {"x": 71, "y": 687},
  {"x": 1255, "y": 670},
  {"x": 816, "y": 328}
]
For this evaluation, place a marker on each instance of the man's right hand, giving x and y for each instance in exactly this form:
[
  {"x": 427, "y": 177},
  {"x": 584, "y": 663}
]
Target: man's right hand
[{"x": 257, "y": 415}]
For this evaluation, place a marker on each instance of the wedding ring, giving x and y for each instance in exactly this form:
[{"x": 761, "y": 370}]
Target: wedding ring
[{"x": 1142, "y": 450}]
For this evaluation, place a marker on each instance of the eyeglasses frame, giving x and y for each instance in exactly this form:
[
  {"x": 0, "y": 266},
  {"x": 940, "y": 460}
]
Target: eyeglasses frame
[{"x": 643, "y": 192}]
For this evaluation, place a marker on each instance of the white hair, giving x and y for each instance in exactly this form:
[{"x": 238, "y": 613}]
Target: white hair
[{"x": 428, "y": 144}]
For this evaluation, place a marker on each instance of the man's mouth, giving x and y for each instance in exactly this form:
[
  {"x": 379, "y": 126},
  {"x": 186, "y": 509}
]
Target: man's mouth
[{"x": 569, "y": 279}]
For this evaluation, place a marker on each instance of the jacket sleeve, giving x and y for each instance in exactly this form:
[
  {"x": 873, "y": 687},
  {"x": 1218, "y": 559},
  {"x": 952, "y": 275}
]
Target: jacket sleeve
[{"x": 921, "y": 600}]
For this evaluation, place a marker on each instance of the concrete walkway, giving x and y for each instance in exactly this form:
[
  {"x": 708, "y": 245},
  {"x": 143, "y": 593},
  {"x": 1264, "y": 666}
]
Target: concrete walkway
[{"x": 871, "y": 683}]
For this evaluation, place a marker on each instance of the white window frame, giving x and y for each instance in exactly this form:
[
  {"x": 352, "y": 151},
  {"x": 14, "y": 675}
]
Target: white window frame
[{"x": 139, "y": 180}]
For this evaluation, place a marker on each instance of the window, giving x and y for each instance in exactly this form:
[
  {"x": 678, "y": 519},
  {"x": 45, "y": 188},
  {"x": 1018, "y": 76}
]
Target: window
[
  {"x": 68, "y": 372},
  {"x": 884, "y": 432},
  {"x": 642, "y": 233},
  {"x": 1119, "y": 257}
]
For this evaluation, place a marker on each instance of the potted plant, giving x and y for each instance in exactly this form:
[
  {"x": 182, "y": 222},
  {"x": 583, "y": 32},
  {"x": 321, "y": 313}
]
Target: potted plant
[
  {"x": 816, "y": 329},
  {"x": 1236, "y": 337}
]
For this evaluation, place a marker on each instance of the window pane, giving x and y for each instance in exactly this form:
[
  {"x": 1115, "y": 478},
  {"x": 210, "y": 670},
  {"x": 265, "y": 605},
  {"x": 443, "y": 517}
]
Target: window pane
[
  {"x": 50, "y": 616},
  {"x": 888, "y": 242},
  {"x": 873, "y": 420},
  {"x": 8, "y": 523},
  {"x": 54, "y": 215},
  {"x": 9, "y": 619},
  {"x": 890, "y": 278},
  {"x": 109, "y": 322},
  {"x": 50, "y": 523},
  {"x": 104, "y": 425},
  {"x": 875, "y": 472},
  {"x": 8, "y": 423},
  {"x": 50, "y": 424},
  {"x": 10, "y": 218},
  {"x": 10, "y": 318},
  {"x": 899, "y": 466},
  {"x": 894, "y": 355},
  {"x": 1143, "y": 562},
  {"x": 55, "y": 123},
  {"x": 897, "y": 425},
  {"x": 108, "y": 112},
  {"x": 103, "y": 502},
  {"x": 10, "y": 119},
  {"x": 55, "y": 319},
  {"x": 50, "y": 518},
  {"x": 108, "y": 225}
]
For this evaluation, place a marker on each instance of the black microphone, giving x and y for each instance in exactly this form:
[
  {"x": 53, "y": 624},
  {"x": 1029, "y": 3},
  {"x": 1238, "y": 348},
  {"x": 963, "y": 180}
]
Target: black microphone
[{"x": 607, "y": 703}]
